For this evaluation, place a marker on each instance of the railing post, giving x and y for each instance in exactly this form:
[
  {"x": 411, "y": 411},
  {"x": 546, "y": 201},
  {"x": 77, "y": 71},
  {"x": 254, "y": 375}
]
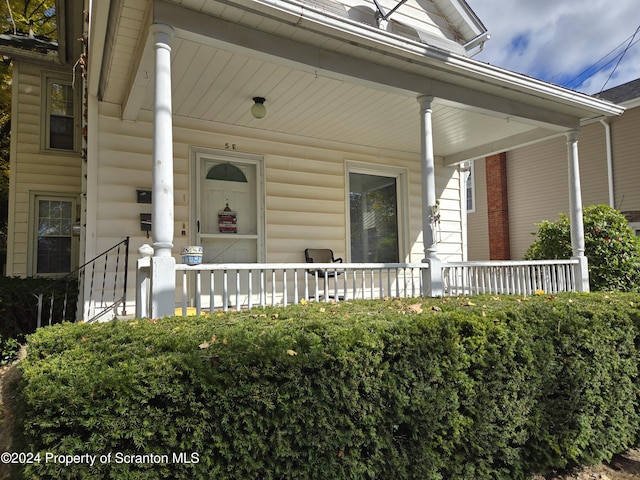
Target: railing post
[{"x": 143, "y": 280}]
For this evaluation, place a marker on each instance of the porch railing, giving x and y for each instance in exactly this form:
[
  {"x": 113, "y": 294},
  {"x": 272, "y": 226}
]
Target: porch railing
[
  {"x": 210, "y": 287},
  {"x": 509, "y": 277},
  {"x": 235, "y": 286},
  {"x": 105, "y": 277}
]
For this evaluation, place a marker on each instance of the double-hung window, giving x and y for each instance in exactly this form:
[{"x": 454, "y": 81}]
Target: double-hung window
[
  {"x": 60, "y": 116},
  {"x": 53, "y": 239}
]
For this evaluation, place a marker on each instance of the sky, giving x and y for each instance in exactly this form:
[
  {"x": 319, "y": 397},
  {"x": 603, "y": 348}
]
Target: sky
[{"x": 564, "y": 41}]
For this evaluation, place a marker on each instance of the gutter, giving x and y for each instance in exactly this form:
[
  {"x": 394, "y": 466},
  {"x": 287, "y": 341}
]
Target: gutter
[
  {"x": 609, "y": 152},
  {"x": 389, "y": 43}
]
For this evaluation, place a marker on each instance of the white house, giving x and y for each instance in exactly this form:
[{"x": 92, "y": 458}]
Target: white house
[{"x": 373, "y": 109}]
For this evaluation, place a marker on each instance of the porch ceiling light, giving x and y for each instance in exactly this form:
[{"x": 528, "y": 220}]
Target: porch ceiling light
[{"x": 258, "y": 110}]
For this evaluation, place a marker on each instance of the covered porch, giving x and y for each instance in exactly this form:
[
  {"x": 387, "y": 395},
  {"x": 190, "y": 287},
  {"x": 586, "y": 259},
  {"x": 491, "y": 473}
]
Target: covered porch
[{"x": 342, "y": 98}]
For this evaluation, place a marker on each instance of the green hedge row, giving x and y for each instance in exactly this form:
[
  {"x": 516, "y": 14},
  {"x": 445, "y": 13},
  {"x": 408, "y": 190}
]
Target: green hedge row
[{"x": 479, "y": 388}]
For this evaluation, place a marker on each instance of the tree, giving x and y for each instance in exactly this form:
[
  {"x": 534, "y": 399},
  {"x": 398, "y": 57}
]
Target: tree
[
  {"x": 20, "y": 15},
  {"x": 17, "y": 16},
  {"x": 610, "y": 245}
]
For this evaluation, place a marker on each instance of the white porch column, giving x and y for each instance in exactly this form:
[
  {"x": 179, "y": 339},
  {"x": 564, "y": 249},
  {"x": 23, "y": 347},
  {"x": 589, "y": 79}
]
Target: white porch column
[
  {"x": 432, "y": 278},
  {"x": 575, "y": 213},
  {"x": 163, "y": 276}
]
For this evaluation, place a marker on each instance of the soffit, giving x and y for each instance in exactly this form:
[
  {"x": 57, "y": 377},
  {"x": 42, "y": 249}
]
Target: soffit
[{"x": 214, "y": 82}]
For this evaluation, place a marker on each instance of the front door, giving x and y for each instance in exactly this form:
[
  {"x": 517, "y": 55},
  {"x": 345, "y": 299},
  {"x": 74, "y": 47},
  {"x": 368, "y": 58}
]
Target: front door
[
  {"x": 228, "y": 210},
  {"x": 228, "y": 218}
]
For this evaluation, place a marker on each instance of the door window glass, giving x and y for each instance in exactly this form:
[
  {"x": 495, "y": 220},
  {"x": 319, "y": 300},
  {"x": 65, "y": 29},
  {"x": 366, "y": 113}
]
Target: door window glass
[{"x": 373, "y": 208}]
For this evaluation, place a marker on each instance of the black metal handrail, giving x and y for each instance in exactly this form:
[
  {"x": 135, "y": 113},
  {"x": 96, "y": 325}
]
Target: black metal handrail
[{"x": 79, "y": 276}]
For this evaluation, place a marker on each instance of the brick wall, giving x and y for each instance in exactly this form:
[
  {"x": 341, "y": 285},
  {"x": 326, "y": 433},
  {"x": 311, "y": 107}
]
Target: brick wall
[{"x": 498, "y": 207}]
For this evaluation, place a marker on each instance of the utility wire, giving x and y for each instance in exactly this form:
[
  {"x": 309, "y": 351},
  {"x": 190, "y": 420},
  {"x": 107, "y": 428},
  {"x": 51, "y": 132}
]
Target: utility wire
[
  {"x": 595, "y": 64},
  {"x": 620, "y": 58},
  {"x": 592, "y": 70}
]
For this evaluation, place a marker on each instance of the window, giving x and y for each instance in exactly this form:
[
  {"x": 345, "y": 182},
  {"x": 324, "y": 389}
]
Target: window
[
  {"x": 375, "y": 217},
  {"x": 470, "y": 187},
  {"x": 53, "y": 239},
  {"x": 60, "y": 116}
]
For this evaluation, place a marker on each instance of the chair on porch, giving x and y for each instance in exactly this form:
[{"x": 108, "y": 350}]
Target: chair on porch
[{"x": 323, "y": 255}]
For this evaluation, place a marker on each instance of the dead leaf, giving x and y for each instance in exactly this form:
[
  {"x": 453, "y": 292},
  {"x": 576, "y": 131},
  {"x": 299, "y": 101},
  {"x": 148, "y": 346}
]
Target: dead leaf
[
  {"x": 416, "y": 308},
  {"x": 204, "y": 345},
  {"x": 292, "y": 353}
]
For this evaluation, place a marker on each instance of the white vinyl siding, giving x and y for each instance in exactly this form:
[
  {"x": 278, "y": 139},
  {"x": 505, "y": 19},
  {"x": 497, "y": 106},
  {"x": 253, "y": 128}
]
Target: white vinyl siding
[
  {"x": 304, "y": 188},
  {"x": 31, "y": 169}
]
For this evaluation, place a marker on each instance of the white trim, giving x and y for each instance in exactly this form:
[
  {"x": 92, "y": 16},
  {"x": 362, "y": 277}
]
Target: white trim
[
  {"x": 401, "y": 175},
  {"x": 196, "y": 154}
]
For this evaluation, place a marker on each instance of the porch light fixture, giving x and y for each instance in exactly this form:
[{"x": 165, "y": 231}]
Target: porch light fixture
[{"x": 258, "y": 110}]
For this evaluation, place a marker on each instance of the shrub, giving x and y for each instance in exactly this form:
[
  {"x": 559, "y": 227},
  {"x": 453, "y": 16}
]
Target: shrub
[
  {"x": 483, "y": 388},
  {"x": 610, "y": 246}
]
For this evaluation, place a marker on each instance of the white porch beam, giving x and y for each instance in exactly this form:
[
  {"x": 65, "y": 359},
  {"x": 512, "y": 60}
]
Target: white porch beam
[
  {"x": 433, "y": 275},
  {"x": 163, "y": 278},
  {"x": 141, "y": 79},
  {"x": 428, "y": 75},
  {"x": 519, "y": 140},
  {"x": 575, "y": 213}
]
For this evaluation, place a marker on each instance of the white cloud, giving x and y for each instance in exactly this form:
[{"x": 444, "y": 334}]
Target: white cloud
[{"x": 557, "y": 40}]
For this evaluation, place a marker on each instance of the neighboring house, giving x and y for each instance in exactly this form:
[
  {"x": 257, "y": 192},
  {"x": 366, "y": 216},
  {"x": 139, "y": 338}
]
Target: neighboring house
[
  {"x": 521, "y": 187},
  {"x": 373, "y": 109}
]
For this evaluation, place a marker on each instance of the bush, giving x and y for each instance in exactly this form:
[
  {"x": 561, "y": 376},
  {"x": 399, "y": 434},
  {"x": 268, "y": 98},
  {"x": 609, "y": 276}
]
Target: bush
[
  {"x": 483, "y": 388},
  {"x": 610, "y": 246}
]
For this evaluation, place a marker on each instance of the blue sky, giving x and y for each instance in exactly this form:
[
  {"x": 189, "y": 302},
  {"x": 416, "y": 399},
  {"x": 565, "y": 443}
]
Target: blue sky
[{"x": 559, "y": 40}]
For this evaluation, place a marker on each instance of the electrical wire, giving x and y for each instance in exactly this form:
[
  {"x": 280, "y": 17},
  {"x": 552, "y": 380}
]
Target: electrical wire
[
  {"x": 591, "y": 67},
  {"x": 620, "y": 58}
]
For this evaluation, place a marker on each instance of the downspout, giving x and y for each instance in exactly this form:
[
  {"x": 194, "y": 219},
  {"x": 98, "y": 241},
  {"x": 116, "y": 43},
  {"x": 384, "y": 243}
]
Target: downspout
[{"x": 607, "y": 138}]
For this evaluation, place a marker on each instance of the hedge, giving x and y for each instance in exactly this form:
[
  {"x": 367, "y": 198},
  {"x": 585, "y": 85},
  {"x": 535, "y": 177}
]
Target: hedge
[{"x": 481, "y": 387}]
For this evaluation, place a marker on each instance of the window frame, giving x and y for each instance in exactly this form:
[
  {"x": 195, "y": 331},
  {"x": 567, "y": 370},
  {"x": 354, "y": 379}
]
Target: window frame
[
  {"x": 32, "y": 261},
  {"x": 470, "y": 187},
  {"x": 48, "y": 79},
  {"x": 402, "y": 200}
]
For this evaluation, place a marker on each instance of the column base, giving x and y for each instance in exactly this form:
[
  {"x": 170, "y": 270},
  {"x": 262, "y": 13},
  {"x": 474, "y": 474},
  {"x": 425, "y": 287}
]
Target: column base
[
  {"x": 581, "y": 272},
  {"x": 432, "y": 278},
  {"x": 163, "y": 286}
]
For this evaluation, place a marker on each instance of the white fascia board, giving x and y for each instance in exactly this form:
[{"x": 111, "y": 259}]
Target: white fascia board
[
  {"x": 98, "y": 20},
  {"x": 466, "y": 16}
]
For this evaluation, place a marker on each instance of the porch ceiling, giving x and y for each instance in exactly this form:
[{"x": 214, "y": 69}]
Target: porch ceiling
[
  {"x": 215, "y": 85},
  {"x": 214, "y": 80}
]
